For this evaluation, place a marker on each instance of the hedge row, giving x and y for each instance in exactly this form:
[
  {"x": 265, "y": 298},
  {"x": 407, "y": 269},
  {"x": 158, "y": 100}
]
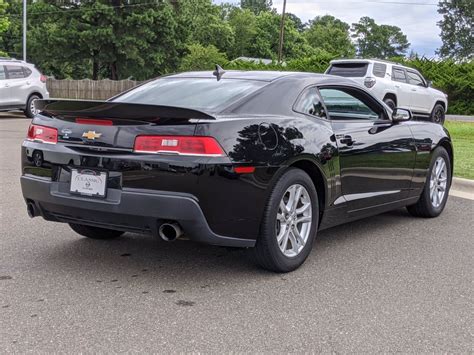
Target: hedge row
[{"x": 455, "y": 79}]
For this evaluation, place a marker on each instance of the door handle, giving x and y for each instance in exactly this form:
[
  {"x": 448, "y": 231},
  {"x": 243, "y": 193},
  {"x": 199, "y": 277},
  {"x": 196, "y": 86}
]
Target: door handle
[
  {"x": 413, "y": 89},
  {"x": 347, "y": 140},
  {"x": 397, "y": 86},
  {"x": 6, "y": 85}
]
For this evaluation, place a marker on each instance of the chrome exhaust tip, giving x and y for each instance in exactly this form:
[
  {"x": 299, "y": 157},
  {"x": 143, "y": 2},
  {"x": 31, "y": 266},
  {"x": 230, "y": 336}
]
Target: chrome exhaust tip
[{"x": 170, "y": 231}]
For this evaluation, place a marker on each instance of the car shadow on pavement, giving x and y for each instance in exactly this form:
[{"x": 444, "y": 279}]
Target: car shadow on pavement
[{"x": 153, "y": 259}]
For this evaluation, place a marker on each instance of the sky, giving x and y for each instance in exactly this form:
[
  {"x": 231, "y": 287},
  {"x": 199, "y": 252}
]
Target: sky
[{"x": 416, "y": 18}]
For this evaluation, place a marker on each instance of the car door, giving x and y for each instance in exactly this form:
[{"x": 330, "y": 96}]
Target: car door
[
  {"x": 399, "y": 77},
  {"x": 420, "y": 100},
  {"x": 376, "y": 156},
  {"x": 4, "y": 89},
  {"x": 18, "y": 83}
]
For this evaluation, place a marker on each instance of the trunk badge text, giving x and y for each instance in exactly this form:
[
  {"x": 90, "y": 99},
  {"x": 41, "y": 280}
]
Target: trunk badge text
[{"x": 91, "y": 135}]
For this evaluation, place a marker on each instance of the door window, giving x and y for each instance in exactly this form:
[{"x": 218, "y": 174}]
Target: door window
[
  {"x": 350, "y": 104},
  {"x": 310, "y": 104},
  {"x": 14, "y": 72},
  {"x": 415, "y": 79},
  {"x": 399, "y": 75},
  {"x": 2, "y": 73}
]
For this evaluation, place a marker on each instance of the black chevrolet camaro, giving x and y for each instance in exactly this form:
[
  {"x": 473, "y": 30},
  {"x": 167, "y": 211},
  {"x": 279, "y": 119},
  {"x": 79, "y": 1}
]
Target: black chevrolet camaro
[{"x": 260, "y": 160}]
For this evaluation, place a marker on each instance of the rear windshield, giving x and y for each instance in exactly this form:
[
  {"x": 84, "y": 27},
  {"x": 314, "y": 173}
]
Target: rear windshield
[
  {"x": 195, "y": 93},
  {"x": 350, "y": 70}
]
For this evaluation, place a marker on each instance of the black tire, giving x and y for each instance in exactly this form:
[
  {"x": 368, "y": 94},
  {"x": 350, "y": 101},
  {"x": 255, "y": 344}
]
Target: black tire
[
  {"x": 95, "y": 232},
  {"x": 424, "y": 207},
  {"x": 267, "y": 253},
  {"x": 438, "y": 115},
  {"x": 28, "y": 111},
  {"x": 390, "y": 103}
]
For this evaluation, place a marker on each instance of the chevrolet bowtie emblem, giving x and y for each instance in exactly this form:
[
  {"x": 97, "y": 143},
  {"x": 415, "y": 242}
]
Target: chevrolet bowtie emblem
[{"x": 91, "y": 135}]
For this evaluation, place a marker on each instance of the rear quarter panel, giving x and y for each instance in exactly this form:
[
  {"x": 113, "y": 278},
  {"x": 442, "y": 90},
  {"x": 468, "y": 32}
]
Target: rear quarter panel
[{"x": 427, "y": 137}]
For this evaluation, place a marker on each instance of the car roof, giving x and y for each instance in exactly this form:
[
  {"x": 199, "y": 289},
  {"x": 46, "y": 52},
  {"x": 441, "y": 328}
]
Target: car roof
[
  {"x": 370, "y": 60},
  {"x": 16, "y": 61},
  {"x": 263, "y": 75}
]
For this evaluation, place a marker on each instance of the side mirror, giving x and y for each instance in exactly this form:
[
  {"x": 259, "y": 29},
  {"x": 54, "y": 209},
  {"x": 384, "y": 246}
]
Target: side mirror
[
  {"x": 429, "y": 84},
  {"x": 401, "y": 115}
]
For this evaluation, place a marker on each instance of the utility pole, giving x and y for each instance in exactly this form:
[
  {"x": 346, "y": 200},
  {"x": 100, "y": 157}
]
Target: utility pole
[
  {"x": 282, "y": 32},
  {"x": 24, "y": 30}
]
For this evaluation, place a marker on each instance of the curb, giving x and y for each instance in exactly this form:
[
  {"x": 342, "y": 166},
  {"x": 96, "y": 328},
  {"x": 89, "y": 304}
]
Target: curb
[
  {"x": 463, "y": 185},
  {"x": 462, "y": 188}
]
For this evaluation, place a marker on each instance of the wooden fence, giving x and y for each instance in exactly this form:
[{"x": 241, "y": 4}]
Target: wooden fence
[{"x": 88, "y": 89}]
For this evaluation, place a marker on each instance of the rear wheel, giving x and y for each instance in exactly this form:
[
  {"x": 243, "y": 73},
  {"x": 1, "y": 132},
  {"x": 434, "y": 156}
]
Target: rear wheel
[
  {"x": 289, "y": 224},
  {"x": 438, "y": 114},
  {"x": 390, "y": 103},
  {"x": 95, "y": 232},
  {"x": 436, "y": 190},
  {"x": 30, "y": 109}
]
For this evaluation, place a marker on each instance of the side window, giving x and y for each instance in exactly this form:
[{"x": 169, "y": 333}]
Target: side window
[
  {"x": 399, "y": 75},
  {"x": 27, "y": 71},
  {"x": 2, "y": 73},
  {"x": 379, "y": 70},
  {"x": 14, "y": 72},
  {"x": 415, "y": 79},
  {"x": 350, "y": 104},
  {"x": 310, "y": 104}
]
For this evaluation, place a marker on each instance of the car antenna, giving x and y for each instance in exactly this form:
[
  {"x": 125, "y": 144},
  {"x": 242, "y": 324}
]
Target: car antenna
[{"x": 218, "y": 72}]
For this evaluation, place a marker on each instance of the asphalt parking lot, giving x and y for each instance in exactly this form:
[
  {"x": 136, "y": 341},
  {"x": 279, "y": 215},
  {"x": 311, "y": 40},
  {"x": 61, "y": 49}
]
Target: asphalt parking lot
[{"x": 392, "y": 283}]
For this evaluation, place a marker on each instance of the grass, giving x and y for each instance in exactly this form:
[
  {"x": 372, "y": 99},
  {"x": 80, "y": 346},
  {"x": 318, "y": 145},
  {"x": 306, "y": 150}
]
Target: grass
[{"x": 462, "y": 134}]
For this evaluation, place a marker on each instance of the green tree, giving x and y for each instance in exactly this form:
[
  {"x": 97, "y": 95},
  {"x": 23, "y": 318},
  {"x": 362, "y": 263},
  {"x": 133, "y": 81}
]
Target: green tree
[
  {"x": 201, "y": 57},
  {"x": 457, "y": 29},
  {"x": 206, "y": 24},
  {"x": 243, "y": 22},
  {"x": 379, "y": 41},
  {"x": 256, "y": 6},
  {"x": 4, "y": 22},
  {"x": 96, "y": 39},
  {"x": 330, "y": 34},
  {"x": 266, "y": 39}
]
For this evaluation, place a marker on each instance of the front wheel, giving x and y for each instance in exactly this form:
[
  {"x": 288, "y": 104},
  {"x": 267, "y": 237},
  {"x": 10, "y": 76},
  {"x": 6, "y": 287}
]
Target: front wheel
[
  {"x": 438, "y": 114},
  {"x": 390, "y": 103},
  {"x": 435, "y": 193},
  {"x": 95, "y": 232},
  {"x": 289, "y": 224}
]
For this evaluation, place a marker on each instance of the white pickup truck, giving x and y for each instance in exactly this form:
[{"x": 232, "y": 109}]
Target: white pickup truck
[{"x": 396, "y": 85}]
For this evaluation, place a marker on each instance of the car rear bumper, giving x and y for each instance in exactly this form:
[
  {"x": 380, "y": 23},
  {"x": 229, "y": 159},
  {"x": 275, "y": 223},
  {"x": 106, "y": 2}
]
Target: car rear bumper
[{"x": 136, "y": 210}]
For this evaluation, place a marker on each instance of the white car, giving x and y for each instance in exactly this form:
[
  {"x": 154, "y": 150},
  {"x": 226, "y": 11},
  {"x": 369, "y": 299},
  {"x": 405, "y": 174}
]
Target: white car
[
  {"x": 21, "y": 84},
  {"x": 396, "y": 85}
]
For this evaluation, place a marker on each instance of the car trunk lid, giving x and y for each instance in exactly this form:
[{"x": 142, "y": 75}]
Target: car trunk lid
[{"x": 116, "y": 124}]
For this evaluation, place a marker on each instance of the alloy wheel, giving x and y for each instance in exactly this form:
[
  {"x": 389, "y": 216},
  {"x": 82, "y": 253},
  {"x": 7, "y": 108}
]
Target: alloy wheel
[
  {"x": 33, "y": 108},
  {"x": 438, "y": 116},
  {"x": 438, "y": 182},
  {"x": 294, "y": 218}
]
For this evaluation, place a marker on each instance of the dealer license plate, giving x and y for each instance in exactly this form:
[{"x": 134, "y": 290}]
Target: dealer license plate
[{"x": 88, "y": 182}]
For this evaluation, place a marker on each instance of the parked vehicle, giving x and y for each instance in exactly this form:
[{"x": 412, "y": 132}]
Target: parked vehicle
[
  {"x": 21, "y": 84},
  {"x": 259, "y": 160},
  {"x": 396, "y": 85}
]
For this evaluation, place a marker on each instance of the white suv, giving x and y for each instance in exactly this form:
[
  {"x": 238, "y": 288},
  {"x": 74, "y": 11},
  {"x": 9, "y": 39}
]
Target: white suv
[
  {"x": 21, "y": 84},
  {"x": 396, "y": 85}
]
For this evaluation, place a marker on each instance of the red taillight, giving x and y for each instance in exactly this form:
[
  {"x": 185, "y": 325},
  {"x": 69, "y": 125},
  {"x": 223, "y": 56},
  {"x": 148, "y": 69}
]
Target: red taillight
[
  {"x": 92, "y": 121},
  {"x": 183, "y": 145},
  {"x": 43, "y": 78},
  {"x": 42, "y": 134}
]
